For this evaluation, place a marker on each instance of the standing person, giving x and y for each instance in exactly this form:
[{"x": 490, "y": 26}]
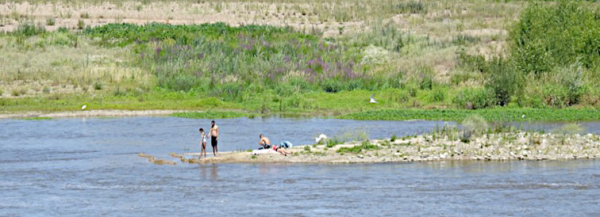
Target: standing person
[
  {"x": 214, "y": 136},
  {"x": 203, "y": 142}
]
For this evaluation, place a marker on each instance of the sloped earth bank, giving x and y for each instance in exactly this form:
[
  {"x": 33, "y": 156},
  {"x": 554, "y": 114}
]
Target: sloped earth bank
[{"x": 427, "y": 147}]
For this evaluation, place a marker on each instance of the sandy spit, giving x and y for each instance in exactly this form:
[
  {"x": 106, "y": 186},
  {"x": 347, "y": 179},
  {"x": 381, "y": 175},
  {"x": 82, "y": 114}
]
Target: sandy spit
[{"x": 492, "y": 147}]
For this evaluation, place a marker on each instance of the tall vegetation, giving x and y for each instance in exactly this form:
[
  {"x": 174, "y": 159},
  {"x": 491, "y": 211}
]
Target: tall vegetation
[
  {"x": 553, "y": 48},
  {"x": 549, "y": 36}
]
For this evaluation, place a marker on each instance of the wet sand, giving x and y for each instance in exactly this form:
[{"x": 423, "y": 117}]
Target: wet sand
[{"x": 428, "y": 147}]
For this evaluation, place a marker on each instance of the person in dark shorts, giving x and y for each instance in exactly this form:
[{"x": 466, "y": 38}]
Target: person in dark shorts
[
  {"x": 214, "y": 136},
  {"x": 264, "y": 142}
]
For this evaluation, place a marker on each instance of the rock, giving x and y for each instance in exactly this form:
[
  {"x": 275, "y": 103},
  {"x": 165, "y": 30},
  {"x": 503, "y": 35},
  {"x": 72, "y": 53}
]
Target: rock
[{"x": 360, "y": 156}]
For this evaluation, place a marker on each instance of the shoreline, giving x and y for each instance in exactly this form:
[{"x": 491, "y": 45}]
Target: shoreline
[
  {"x": 384, "y": 114},
  {"x": 490, "y": 147},
  {"x": 89, "y": 113}
]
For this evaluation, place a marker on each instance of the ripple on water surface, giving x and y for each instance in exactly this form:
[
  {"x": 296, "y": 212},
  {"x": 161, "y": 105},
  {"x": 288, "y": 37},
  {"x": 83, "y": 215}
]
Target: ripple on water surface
[{"x": 72, "y": 167}]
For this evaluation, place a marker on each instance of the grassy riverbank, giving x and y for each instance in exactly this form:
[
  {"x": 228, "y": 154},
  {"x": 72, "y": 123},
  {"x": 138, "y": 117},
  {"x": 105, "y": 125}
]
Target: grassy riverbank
[{"x": 422, "y": 60}]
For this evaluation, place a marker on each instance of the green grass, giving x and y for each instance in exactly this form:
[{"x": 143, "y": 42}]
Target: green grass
[
  {"x": 489, "y": 114},
  {"x": 366, "y": 145},
  {"x": 259, "y": 69}
]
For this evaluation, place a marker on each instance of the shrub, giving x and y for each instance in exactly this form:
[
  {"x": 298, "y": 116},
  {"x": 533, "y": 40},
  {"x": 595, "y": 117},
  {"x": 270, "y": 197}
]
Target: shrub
[
  {"x": 80, "y": 24},
  {"x": 332, "y": 86},
  {"x": 471, "y": 62},
  {"x": 549, "y": 35},
  {"x": 29, "y": 29},
  {"x": 503, "y": 79},
  {"x": 474, "y": 124},
  {"x": 438, "y": 95},
  {"x": 475, "y": 98},
  {"x": 393, "y": 138},
  {"x": 307, "y": 148},
  {"x": 50, "y": 22},
  {"x": 426, "y": 78},
  {"x": 572, "y": 80},
  {"x": 332, "y": 142},
  {"x": 98, "y": 85},
  {"x": 465, "y": 136},
  {"x": 555, "y": 95}
]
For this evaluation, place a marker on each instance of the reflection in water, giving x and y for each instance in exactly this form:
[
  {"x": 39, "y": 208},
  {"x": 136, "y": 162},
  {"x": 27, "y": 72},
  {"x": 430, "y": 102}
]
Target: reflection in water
[{"x": 214, "y": 172}]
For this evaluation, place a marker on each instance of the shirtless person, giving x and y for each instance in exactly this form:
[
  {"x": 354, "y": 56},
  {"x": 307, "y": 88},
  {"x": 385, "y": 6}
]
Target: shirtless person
[
  {"x": 266, "y": 143},
  {"x": 214, "y": 135}
]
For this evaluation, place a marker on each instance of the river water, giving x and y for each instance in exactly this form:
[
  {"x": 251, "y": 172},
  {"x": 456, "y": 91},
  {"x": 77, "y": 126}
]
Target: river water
[{"x": 89, "y": 167}]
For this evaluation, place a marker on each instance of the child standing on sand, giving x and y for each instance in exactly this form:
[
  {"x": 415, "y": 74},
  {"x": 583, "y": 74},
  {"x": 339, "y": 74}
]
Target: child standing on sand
[{"x": 203, "y": 142}]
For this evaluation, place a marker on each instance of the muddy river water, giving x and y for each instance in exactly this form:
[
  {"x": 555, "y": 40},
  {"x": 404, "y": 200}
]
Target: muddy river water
[{"x": 89, "y": 167}]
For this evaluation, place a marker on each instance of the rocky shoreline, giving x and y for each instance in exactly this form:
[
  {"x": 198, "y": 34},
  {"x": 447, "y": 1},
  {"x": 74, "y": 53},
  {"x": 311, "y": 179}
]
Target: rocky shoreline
[{"x": 428, "y": 147}]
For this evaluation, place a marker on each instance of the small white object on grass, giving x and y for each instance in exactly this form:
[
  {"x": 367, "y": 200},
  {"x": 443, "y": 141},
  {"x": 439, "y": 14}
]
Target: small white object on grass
[
  {"x": 83, "y": 107},
  {"x": 523, "y": 116},
  {"x": 373, "y": 99},
  {"x": 320, "y": 138}
]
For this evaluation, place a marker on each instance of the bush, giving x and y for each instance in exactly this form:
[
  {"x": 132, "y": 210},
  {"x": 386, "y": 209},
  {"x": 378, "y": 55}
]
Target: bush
[
  {"x": 474, "y": 124},
  {"x": 572, "y": 80},
  {"x": 555, "y": 95},
  {"x": 29, "y": 29},
  {"x": 332, "y": 86},
  {"x": 503, "y": 79},
  {"x": 80, "y": 24},
  {"x": 307, "y": 148},
  {"x": 50, "y": 22},
  {"x": 333, "y": 142},
  {"x": 471, "y": 62},
  {"x": 97, "y": 85},
  {"x": 475, "y": 98},
  {"x": 549, "y": 35},
  {"x": 438, "y": 95}
]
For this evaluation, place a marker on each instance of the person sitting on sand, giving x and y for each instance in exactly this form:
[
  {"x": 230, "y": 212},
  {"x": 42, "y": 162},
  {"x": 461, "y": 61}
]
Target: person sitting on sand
[
  {"x": 203, "y": 137},
  {"x": 264, "y": 142}
]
